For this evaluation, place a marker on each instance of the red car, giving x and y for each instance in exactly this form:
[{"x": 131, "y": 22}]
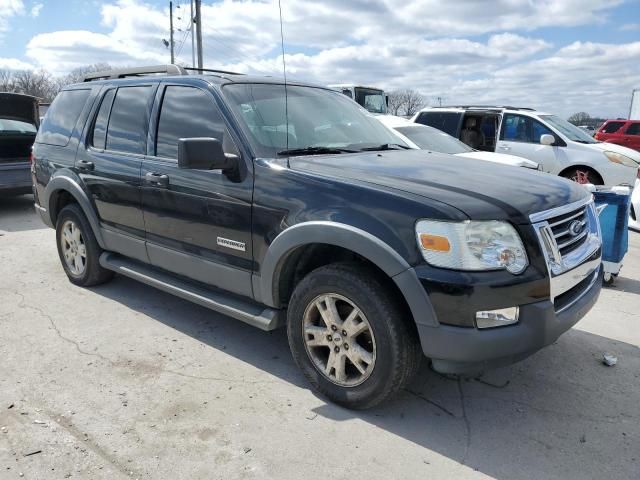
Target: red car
[{"x": 622, "y": 132}]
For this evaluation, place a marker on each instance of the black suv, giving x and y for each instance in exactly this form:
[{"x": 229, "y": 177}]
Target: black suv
[{"x": 291, "y": 205}]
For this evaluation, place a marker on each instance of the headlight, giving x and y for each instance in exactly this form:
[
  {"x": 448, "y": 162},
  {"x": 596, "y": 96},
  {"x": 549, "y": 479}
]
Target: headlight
[
  {"x": 471, "y": 245},
  {"x": 616, "y": 157}
]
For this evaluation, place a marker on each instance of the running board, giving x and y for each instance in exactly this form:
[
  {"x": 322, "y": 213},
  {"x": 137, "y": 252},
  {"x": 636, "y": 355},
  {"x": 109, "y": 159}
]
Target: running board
[{"x": 227, "y": 304}]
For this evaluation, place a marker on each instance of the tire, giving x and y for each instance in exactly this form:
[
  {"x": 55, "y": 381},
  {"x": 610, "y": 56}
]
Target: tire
[
  {"x": 74, "y": 236},
  {"x": 583, "y": 175},
  {"x": 386, "y": 340}
]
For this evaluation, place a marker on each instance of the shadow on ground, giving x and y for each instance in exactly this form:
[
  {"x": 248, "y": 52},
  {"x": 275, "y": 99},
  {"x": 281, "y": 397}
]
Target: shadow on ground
[
  {"x": 17, "y": 214},
  {"x": 558, "y": 414}
]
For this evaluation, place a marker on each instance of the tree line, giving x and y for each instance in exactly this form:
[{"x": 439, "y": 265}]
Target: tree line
[
  {"x": 405, "y": 102},
  {"x": 41, "y": 83}
]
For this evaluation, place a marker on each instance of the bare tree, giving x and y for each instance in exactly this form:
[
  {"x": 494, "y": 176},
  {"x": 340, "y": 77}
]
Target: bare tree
[
  {"x": 579, "y": 118},
  {"x": 413, "y": 102},
  {"x": 405, "y": 102},
  {"x": 7, "y": 82},
  {"x": 396, "y": 101},
  {"x": 38, "y": 83}
]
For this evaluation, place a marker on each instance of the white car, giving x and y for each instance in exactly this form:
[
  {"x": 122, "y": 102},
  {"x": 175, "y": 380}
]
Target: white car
[
  {"x": 558, "y": 146},
  {"x": 427, "y": 138},
  {"x": 634, "y": 212}
]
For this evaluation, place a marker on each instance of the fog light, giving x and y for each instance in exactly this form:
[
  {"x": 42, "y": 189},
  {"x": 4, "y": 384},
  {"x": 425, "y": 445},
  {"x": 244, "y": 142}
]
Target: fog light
[{"x": 497, "y": 318}]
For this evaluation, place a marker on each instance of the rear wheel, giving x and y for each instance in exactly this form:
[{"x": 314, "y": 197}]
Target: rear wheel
[
  {"x": 350, "y": 337},
  {"x": 583, "y": 175},
  {"x": 78, "y": 248}
]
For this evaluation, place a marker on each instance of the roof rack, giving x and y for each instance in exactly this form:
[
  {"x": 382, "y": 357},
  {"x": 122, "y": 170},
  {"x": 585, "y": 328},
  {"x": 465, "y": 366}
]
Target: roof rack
[{"x": 169, "y": 69}]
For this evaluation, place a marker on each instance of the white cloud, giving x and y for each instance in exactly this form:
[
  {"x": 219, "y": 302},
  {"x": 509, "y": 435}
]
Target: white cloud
[
  {"x": 418, "y": 44},
  {"x": 9, "y": 9},
  {"x": 630, "y": 27},
  {"x": 35, "y": 9},
  {"x": 14, "y": 64}
]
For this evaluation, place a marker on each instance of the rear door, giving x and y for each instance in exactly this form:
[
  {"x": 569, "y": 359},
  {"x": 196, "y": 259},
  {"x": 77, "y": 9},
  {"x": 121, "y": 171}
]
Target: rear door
[
  {"x": 520, "y": 135},
  {"x": 198, "y": 222},
  {"x": 631, "y": 137},
  {"x": 110, "y": 164}
]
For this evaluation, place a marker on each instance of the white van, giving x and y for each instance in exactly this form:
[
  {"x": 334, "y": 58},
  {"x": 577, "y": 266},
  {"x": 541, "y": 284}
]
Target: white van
[{"x": 558, "y": 146}]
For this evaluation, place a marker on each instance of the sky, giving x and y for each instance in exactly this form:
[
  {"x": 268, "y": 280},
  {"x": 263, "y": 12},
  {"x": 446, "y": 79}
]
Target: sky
[{"x": 558, "y": 56}]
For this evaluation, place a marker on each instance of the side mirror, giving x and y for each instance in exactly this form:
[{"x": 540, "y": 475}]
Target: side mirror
[
  {"x": 205, "y": 154},
  {"x": 546, "y": 139}
]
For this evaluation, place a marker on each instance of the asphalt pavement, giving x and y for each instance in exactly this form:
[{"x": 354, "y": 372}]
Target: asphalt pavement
[{"x": 124, "y": 381}]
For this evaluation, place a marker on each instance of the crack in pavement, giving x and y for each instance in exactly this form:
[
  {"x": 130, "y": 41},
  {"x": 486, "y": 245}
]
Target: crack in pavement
[
  {"x": 22, "y": 304},
  {"x": 467, "y": 424},
  {"x": 431, "y": 402}
]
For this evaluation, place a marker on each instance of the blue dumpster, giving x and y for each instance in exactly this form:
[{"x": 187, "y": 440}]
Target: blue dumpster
[{"x": 613, "y": 208}]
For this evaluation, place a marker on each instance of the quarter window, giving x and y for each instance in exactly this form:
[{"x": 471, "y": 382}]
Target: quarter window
[
  {"x": 100, "y": 126},
  {"x": 127, "y": 130},
  {"x": 448, "y": 122},
  {"x": 188, "y": 112},
  {"x": 60, "y": 120},
  {"x": 518, "y": 128}
]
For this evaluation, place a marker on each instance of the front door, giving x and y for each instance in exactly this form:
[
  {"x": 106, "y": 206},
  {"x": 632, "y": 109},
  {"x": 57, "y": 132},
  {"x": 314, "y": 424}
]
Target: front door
[
  {"x": 520, "y": 135},
  {"x": 632, "y": 136},
  {"x": 110, "y": 165},
  {"x": 198, "y": 222}
]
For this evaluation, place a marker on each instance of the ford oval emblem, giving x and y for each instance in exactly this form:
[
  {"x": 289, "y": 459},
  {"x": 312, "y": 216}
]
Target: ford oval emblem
[{"x": 575, "y": 228}]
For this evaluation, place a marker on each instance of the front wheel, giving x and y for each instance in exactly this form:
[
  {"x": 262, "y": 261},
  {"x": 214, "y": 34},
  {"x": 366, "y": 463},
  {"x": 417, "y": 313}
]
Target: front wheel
[{"x": 350, "y": 337}]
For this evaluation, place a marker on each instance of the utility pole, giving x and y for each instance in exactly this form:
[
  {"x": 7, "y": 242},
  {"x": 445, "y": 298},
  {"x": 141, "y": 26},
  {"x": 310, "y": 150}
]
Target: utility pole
[
  {"x": 171, "y": 44},
  {"x": 199, "y": 32},
  {"x": 193, "y": 38},
  {"x": 440, "y": 101}
]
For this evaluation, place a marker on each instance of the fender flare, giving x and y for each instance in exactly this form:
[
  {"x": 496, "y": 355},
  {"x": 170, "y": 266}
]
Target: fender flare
[
  {"x": 68, "y": 184},
  {"x": 351, "y": 238}
]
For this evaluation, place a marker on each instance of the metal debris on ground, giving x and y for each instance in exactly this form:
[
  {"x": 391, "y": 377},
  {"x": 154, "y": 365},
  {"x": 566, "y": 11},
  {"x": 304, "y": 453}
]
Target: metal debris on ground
[
  {"x": 32, "y": 453},
  {"x": 609, "y": 360}
]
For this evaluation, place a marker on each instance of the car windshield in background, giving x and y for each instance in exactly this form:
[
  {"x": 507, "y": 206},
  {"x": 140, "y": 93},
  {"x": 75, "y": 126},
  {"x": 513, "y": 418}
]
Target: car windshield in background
[
  {"x": 372, "y": 99},
  {"x": 319, "y": 121},
  {"x": 568, "y": 130},
  {"x": 11, "y": 127},
  {"x": 431, "y": 139}
]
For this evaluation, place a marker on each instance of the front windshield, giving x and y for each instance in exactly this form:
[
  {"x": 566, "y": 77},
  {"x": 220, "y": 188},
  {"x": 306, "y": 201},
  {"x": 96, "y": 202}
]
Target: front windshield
[
  {"x": 371, "y": 99},
  {"x": 317, "y": 118},
  {"x": 568, "y": 129},
  {"x": 8, "y": 126},
  {"x": 428, "y": 138}
]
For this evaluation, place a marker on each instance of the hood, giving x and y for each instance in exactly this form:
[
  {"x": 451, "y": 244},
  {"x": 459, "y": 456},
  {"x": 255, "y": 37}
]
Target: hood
[
  {"x": 500, "y": 158},
  {"x": 483, "y": 191},
  {"x": 612, "y": 147},
  {"x": 17, "y": 106}
]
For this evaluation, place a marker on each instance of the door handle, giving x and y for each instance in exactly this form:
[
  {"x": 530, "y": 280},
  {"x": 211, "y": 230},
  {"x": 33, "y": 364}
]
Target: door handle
[
  {"x": 85, "y": 165},
  {"x": 158, "y": 179}
]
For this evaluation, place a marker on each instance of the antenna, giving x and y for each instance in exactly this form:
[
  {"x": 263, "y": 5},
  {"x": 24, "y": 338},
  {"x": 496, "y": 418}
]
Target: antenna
[{"x": 284, "y": 72}]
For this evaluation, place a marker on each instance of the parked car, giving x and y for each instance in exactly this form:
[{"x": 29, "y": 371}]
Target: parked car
[
  {"x": 558, "y": 146},
  {"x": 18, "y": 126},
  {"x": 620, "y": 132},
  {"x": 428, "y": 138},
  {"x": 303, "y": 210}
]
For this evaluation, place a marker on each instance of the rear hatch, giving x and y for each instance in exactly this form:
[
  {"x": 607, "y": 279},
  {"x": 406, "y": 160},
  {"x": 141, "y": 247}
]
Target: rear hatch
[{"x": 18, "y": 126}]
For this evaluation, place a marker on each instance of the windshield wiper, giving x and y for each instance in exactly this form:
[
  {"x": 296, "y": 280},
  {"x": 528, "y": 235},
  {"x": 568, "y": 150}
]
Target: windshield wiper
[
  {"x": 315, "y": 151},
  {"x": 385, "y": 146}
]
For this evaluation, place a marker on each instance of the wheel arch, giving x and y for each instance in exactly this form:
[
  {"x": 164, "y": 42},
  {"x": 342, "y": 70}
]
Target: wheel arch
[
  {"x": 62, "y": 190},
  {"x": 289, "y": 244},
  {"x": 568, "y": 169}
]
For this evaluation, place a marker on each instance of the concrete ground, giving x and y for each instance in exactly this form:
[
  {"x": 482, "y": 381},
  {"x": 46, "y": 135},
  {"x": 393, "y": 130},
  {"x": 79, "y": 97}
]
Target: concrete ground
[{"x": 123, "y": 381}]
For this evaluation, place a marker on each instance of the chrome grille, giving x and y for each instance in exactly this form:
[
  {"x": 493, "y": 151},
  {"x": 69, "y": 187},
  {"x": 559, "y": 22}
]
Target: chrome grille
[
  {"x": 570, "y": 230},
  {"x": 570, "y": 240}
]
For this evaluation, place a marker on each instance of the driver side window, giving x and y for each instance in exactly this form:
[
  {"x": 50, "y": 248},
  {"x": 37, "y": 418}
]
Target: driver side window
[{"x": 519, "y": 128}]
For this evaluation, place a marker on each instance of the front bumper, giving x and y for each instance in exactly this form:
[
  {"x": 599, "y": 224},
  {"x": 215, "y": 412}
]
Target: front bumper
[{"x": 469, "y": 351}]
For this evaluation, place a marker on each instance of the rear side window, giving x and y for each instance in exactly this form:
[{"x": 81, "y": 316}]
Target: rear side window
[
  {"x": 612, "y": 127},
  {"x": 62, "y": 116},
  {"x": 633, "y": 129},
  {"x": 448, "y": 122},
  {"x": 187, "y": 112},
  {"x": 100, "y": 126},
  {"x": 127, "y": 130}
]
